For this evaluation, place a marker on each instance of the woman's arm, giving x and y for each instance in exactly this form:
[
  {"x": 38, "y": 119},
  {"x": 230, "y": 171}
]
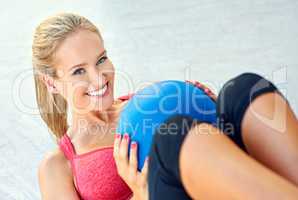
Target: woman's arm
[
  {"x": 55, "y": 179},
  {"x": 127, "y": 167}
]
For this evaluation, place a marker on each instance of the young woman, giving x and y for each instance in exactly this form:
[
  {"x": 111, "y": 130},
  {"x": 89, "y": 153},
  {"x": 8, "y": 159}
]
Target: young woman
[
  {"x": 252, "y": 154},
  {"x": 73, "y": 72},
  {"x": 74, "y": 75}
]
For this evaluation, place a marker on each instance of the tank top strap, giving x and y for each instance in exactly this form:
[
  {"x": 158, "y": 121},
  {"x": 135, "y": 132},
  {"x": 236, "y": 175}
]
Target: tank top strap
[{"x": 67, "y": 147}]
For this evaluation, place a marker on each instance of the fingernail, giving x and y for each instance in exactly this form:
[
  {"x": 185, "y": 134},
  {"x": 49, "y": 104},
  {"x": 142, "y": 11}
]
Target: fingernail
[
  {"x": 133, "y": 144},
  {"x": 118, "y": 135},
  {"x": 207, "y": 90},
  {"x": 126, "y": 136}
]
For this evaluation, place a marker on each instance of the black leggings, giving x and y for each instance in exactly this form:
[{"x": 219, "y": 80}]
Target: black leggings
[{"x": 164, "y": 177}]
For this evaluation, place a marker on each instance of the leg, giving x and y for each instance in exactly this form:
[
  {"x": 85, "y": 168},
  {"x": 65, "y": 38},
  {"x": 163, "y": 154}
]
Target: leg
[
  {"x": 212, "y": 166},
  {"x": 191, "y": 164},
  {"x": 264, "y": 124}
]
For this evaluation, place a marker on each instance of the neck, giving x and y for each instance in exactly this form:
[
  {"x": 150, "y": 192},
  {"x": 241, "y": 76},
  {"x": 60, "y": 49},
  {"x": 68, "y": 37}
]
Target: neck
[
  {"x": 90, "y": 124},
  {"x": 102, "y": 124}
]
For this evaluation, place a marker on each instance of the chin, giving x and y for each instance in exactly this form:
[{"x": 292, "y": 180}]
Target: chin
[
  {"x": 104, "y": 102},
  {"x": 104, "y": 106}
]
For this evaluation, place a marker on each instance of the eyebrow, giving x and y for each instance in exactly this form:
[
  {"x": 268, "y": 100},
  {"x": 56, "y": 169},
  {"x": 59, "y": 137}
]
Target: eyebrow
[{"x": 82, "y": 64}]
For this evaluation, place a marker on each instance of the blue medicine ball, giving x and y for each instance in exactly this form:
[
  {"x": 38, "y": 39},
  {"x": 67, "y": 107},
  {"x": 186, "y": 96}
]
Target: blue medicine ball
[{"x": 149, "y": 107}]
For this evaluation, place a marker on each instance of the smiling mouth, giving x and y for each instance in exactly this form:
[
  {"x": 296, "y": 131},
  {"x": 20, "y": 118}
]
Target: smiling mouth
[{"x": 100, "y": 92}]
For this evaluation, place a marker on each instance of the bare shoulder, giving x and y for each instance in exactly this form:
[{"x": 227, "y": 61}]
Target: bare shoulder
[
  {"x": 55, "y": 177},
  {"x": 54, "y": 161}
]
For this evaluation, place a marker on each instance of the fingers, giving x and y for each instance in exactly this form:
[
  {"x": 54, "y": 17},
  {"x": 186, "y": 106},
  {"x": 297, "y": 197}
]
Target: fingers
[
  {"x": 123, "y": 149},
  {"x": 205, "y": 89},
  {"x": 120, "y": 153},
  {"x": 208, "y": 92},
  {"x": 144, "y": 171},
  {"x": 117, "y": 144},
  {"x": 127, "y": 166},
  {"x": 133, "y": 162}
]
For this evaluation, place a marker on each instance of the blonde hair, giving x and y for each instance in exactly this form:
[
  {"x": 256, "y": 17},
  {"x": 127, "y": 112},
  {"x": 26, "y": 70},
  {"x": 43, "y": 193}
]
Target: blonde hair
[{"x": 48, "y": 35}]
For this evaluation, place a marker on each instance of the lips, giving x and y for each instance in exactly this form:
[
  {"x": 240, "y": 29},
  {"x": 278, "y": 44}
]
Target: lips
[{"x": 100, "y": 92}]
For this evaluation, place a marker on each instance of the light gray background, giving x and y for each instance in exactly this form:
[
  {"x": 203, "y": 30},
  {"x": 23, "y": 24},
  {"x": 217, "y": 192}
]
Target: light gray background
[{"x": 206, "y": 40}]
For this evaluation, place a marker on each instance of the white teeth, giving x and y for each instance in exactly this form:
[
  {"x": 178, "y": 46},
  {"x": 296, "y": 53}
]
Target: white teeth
[{"x": 98, "y": 92}]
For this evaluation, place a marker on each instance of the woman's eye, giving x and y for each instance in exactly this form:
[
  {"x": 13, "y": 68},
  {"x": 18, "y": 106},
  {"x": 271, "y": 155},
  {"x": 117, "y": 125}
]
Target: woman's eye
[
  {"x": 78, "y": 71},
  {"x": 101, "y": 60}
]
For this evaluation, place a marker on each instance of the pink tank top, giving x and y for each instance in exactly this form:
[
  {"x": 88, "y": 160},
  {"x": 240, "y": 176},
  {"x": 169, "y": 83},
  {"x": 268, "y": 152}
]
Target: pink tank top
[{"x": 95, "y": 172}]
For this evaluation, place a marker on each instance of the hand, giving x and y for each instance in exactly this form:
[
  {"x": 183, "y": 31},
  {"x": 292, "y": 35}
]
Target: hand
[
  {"x": 204, "y": 88},
  {"x": 127, "y": 167}
]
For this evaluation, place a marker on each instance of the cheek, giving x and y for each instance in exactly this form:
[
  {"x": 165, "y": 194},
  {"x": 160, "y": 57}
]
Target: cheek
[
  {"x": 111, "y": 77},
  {"x": 76, "y": 95},
  {"x": 109, "y": 74},
  {"x": 108, "y": 69}
]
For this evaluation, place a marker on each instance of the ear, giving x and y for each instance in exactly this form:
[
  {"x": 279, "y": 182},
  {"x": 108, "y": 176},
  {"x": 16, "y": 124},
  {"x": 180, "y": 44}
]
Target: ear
[{"x": 49, "y": 82}]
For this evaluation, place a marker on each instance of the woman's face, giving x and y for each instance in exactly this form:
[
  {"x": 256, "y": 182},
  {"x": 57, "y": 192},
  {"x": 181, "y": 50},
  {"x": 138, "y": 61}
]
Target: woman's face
[{"x": 85, "y": 74}]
